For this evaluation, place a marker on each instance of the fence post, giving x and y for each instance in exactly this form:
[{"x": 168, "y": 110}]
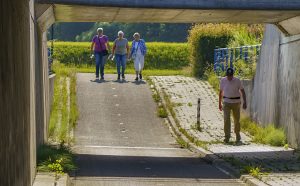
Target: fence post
[
  {"x": 241, "y": 52},
  {"x": 257, "y": 50},
  {"x": 231, "y": 57},
  {"x": 215, "y": 59},
  {"x": 198, "y": 115},
  {"x": 246, "y": 53}
]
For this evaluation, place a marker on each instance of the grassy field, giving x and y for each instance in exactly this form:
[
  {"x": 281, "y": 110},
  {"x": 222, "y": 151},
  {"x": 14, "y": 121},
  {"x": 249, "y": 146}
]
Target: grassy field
[{"x": 159, "y": 55}]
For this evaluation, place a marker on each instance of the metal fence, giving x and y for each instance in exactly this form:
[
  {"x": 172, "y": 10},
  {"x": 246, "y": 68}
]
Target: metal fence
[
  {"x": 50, "y": 60},
  {"x": 226, "y": 57}
]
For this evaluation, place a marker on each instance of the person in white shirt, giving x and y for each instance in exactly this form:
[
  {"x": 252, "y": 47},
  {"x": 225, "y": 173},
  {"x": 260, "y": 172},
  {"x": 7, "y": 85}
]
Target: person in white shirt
[{"x": 231, "y": 89}]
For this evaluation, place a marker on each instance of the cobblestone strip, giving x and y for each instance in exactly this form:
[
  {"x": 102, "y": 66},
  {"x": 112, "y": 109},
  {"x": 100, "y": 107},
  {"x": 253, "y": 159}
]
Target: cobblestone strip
[{"x": 184, "y": 92}]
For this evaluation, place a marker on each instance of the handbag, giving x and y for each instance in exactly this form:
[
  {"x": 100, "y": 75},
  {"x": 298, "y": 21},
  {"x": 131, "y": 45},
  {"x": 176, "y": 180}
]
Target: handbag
[{"x": 104, "y": 52}]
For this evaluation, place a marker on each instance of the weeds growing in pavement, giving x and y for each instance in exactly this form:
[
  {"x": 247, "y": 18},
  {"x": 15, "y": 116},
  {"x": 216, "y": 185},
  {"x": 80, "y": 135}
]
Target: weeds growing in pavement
[
  {"x": 48, "y": 155},
  {"x": 264, "y": 135},
  {"x": 162, "y": 112}
]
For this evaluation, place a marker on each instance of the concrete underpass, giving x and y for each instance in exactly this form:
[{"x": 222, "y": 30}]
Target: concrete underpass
[{"x": 24, "y": 81}]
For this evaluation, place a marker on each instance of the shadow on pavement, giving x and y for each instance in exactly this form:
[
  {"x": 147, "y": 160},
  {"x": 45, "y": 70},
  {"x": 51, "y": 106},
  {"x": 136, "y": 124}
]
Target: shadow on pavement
[
  {"x": 139, "y": 82},
  {"x": 140, "y": 166}
]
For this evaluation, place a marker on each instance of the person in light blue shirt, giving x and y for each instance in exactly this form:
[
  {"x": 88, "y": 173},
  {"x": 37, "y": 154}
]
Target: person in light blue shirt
[{"x": 138, "y": 52}]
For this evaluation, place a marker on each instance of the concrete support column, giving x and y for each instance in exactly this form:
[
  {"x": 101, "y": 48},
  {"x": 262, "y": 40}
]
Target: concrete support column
[
  {"x": 45, "y": 18},
  {"x": 17, "y": 103}
]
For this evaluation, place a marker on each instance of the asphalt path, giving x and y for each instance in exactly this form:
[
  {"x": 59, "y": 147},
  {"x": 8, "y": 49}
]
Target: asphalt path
[{"x": 120, "y": 140}]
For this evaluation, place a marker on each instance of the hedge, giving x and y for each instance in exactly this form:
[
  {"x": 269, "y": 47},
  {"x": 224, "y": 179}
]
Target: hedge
[{"x": 159, "y": 56}]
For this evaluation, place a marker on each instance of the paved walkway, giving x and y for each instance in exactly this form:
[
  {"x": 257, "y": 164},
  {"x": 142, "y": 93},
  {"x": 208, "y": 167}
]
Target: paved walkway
[
  {"x": 120, "y": 140},
  {"x": 185, "y": 91}
]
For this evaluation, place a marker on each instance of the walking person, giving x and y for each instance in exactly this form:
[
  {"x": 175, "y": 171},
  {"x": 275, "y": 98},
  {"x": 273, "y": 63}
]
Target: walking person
[
  {"x": 121, "y": 52},
  {"x": 231, "y": 90},
  {"x": 138, "y": 52},
  {"x": 100, "y": 47}
]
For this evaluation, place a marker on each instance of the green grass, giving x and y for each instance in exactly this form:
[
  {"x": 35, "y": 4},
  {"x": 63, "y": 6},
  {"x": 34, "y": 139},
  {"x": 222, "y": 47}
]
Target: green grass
[
  {"x": 47, "y": 155},
  {"x": 62, "y": 118},
  {"x": 162, "y": 112},
  {"x": 130, "y": 70},
  {"x": 264, "y": 135}
]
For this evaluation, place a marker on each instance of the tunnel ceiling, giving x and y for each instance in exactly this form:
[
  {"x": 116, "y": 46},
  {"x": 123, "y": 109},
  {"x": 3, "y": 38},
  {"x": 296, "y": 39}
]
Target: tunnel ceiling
[
  {"x": 285, "y": 14},
  {"x": 77, "y": 13}
]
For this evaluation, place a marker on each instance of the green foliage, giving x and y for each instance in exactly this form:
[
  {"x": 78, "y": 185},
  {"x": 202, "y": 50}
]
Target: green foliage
[
  {"x": 159, "y": 55},
  {"x": 265, "y": 135},
  {"x": 162, "y": 112},
  {"x": 204, "y": 38},
  {"x": 245, "y": 70},
  {"x": 212, "y": 78},
  {"x": 255, "y": 171},
  {"x": 286, "y": 146},
  {"x": 53, "y": 158},
  {"x": 247, "y": 35},
  {"x": 149, "y": 31},
  {"x": 156, "y": 97},
  {"x": 57, "y": 168},
  {"x": 68, "y": 31}
]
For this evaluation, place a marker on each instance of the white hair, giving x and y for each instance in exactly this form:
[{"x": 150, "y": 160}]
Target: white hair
[
  {"x": 136, "y": 34},
  {"x": 99, "y": 29},
  {"x": 121, "y": 32}
]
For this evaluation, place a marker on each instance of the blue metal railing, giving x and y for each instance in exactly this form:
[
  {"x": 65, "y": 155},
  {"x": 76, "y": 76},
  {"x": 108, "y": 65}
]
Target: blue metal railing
[
  {"x": 50, "y": 60},
  {"x": 225, "y": 57}
]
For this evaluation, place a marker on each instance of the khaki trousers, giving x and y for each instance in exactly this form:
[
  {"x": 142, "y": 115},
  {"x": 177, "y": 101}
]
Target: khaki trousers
[{"x": 235, "y": 108}]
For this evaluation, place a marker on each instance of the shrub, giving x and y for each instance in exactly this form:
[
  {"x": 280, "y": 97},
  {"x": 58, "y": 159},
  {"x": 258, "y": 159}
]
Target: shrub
[
  {"x": 159, "y": 55},
  {"x": 203, "y": 39}
]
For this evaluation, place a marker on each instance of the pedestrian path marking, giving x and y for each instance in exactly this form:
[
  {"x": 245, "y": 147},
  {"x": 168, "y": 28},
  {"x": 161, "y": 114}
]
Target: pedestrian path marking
[{"x": 123, "y": 147}]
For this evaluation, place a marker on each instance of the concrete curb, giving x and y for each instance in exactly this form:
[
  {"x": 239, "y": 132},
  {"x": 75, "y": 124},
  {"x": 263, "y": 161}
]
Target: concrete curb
[
  {"x": 47, "y": 179},
  {"x": 208, "y": 156}
]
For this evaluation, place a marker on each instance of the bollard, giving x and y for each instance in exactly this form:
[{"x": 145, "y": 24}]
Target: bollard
[{"x": 198, "y": 115}]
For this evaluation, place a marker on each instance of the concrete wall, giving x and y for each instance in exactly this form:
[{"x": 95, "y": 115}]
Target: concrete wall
[
  {"x": 248, "y": 86},
  {"x": 288, "y": 101},
  {"x": 17, "y": 92},
  {"x": 275, "y": 96},
  {"x": 264, "y": 106}
]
